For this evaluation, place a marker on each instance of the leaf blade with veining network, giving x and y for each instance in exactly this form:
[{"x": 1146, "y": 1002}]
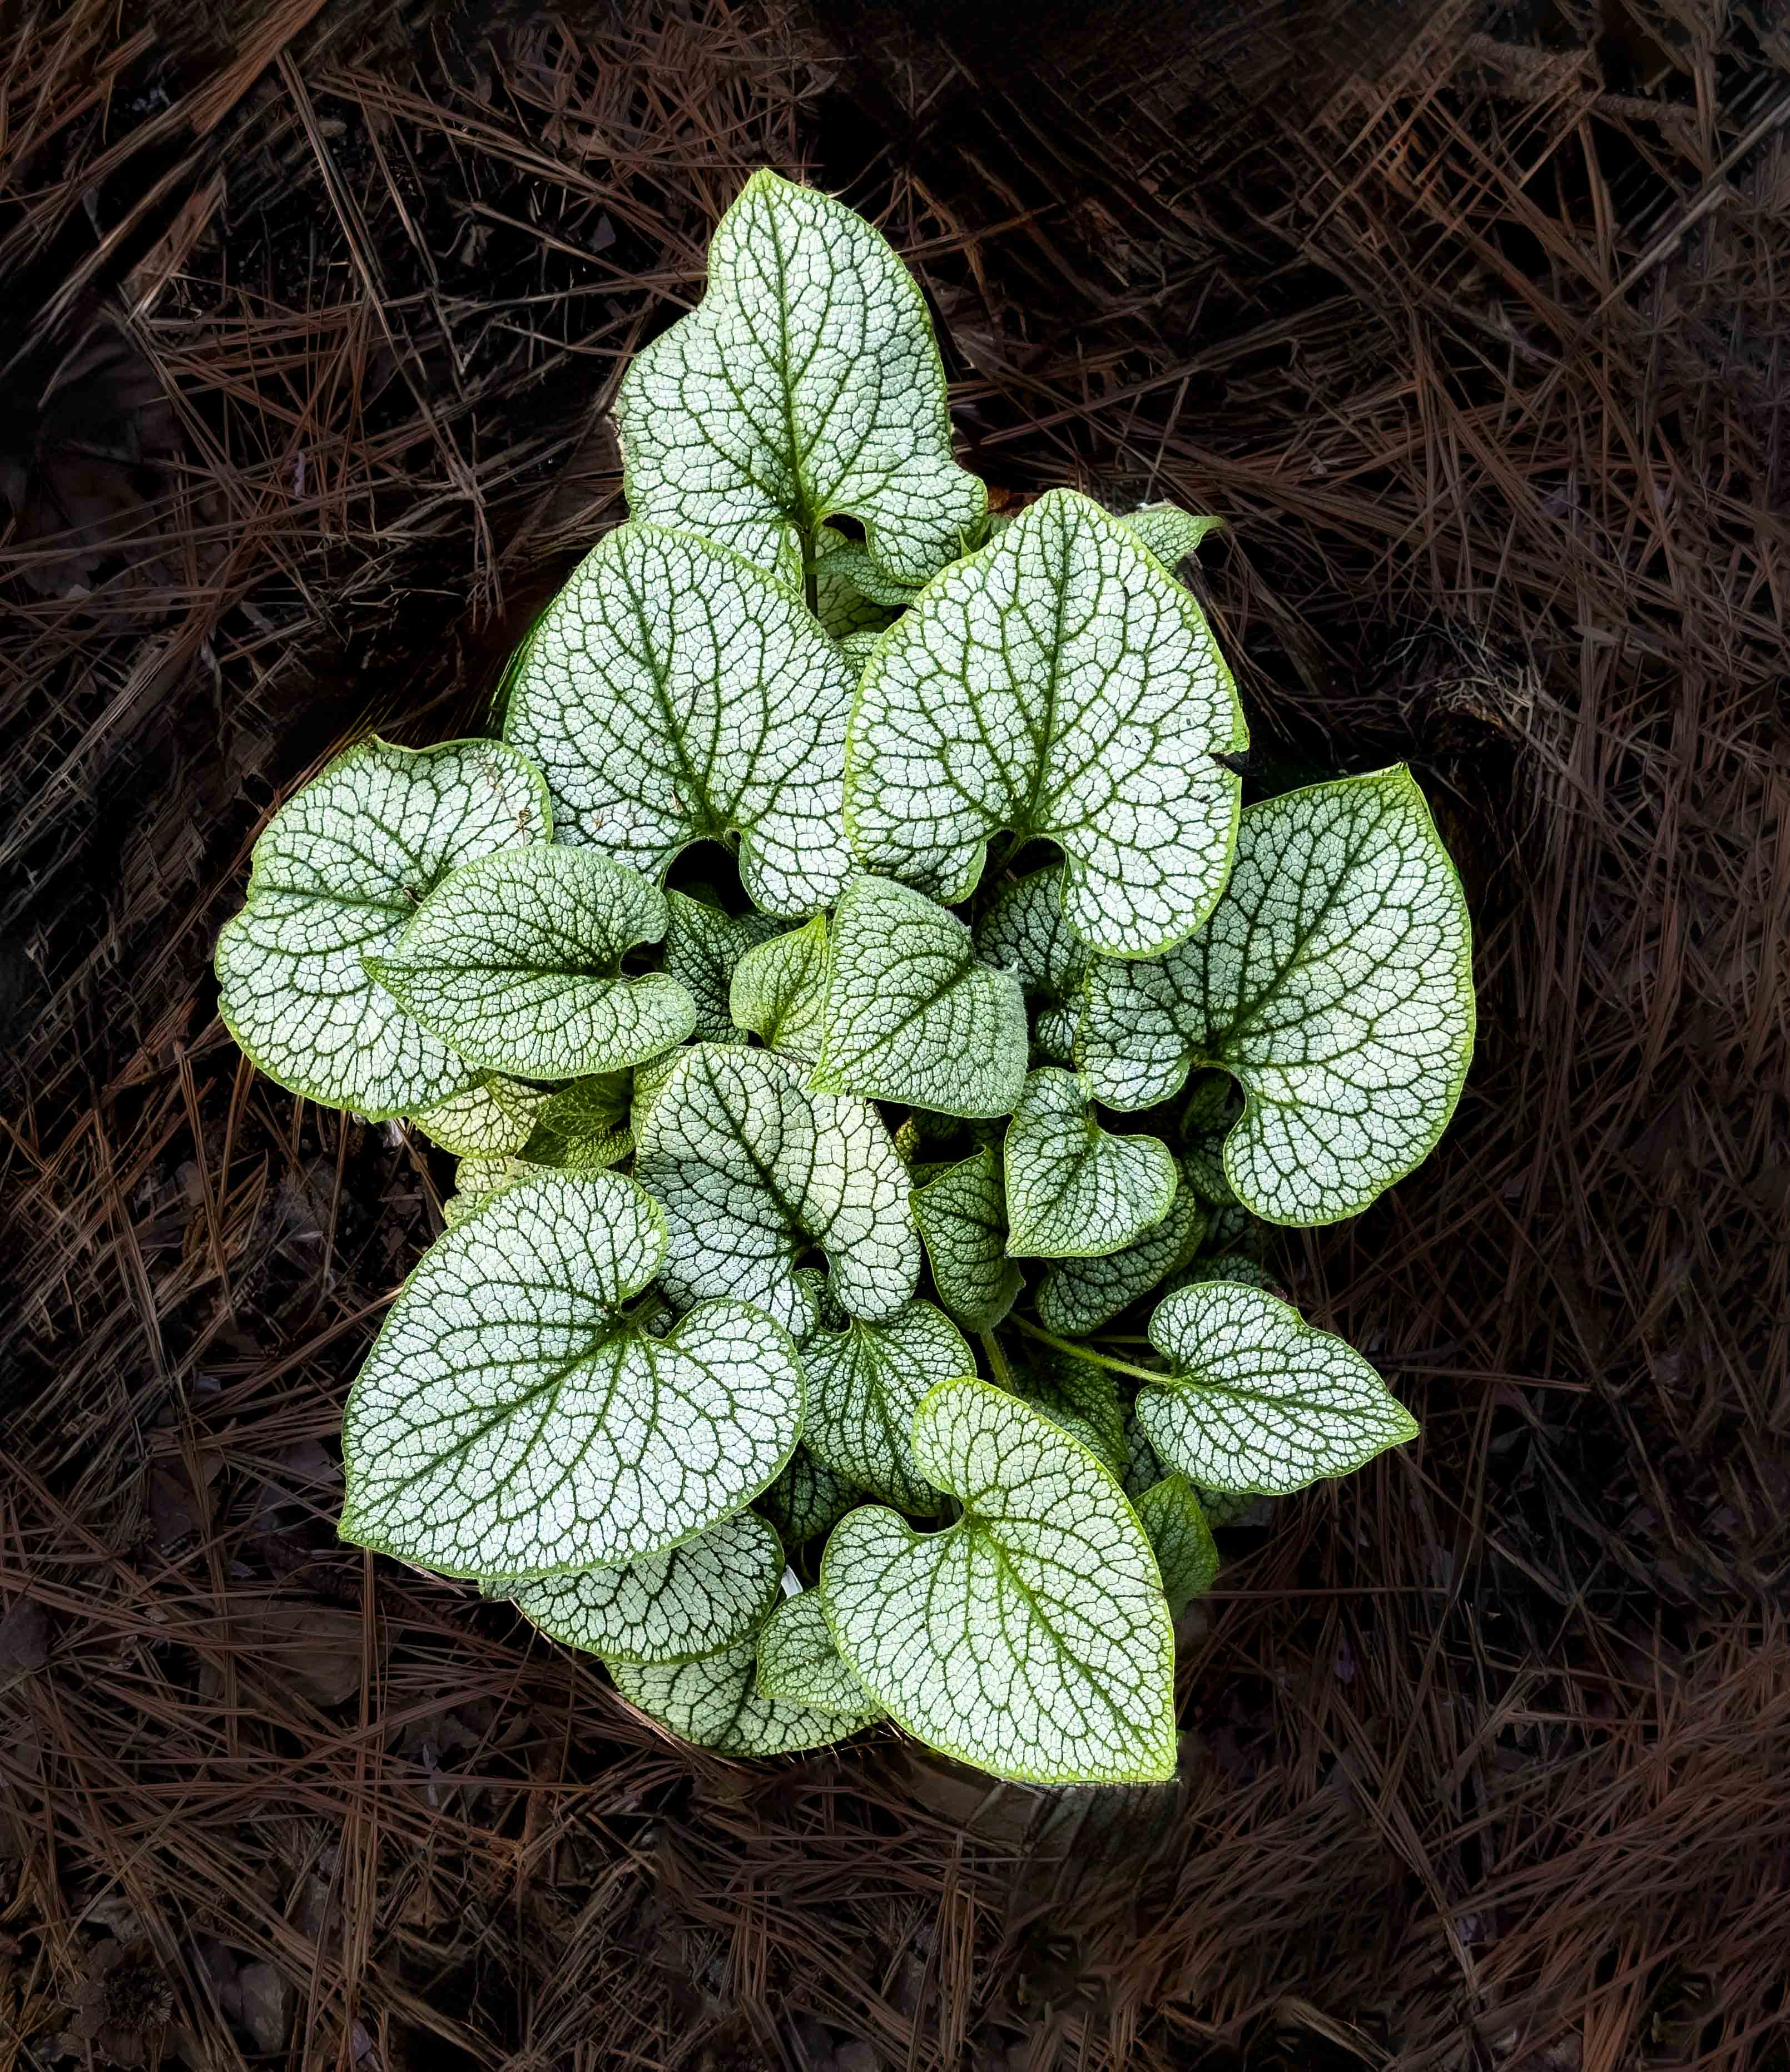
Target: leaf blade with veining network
[
  {"x": 714, "y": 1702},
  {"x": 799, "y": 1662},
  {"x": 1075, "y": 1191},
  {"x": 864, "y": 1385},
  {"x": 962, "y": 1215}
]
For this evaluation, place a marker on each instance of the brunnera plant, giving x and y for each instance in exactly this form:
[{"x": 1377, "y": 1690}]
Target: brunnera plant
[{"x": 814, "y": 1339}]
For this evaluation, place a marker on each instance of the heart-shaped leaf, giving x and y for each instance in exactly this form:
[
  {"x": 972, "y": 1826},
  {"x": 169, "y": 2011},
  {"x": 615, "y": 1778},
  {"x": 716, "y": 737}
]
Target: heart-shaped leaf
[
  {"x": 805, "y": 384},
  {"x": 799, "y": 1663},
  {"x": 912, "y": 1014},
  {"x": 1059, "y": 683},
  {"x": 711, "y": 1592},
  {"x": 513, "y": 962},
  {"x": 1030, "y": 1638},
  {"x": 962, "y": 1215},
  {"x": 674, "y": 693},
  {"x": 780, "y": 991},
  {"x": 511, "y": 1420},
  {"x": 752, "y": 1170},
  {"x": 337, "y": 872},
  {"x": 715, "y": 1703},
  {"x": 1074, "y": 1190},
  {"x": 864, "y": 1385},
  {"x": 1335, "y": 980},
  {"x": 807, "y": 1500},
  {"x": 1171, "y": 534},
  {"x": 1081, "y": 1294},
  {"x": 1186, "y": 1553},
  {"x": 496, "y": 1116},
  {"x": 583, "y": 1127},
  {"x": 1260, "y": 1401},
  {"x": 703, "y": 948}
]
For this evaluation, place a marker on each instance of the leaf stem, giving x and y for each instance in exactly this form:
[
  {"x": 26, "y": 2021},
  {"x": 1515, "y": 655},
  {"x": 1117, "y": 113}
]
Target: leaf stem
[
  {"x": 1082, "y": 1352},
  {"x": 997, "y": 1360}
]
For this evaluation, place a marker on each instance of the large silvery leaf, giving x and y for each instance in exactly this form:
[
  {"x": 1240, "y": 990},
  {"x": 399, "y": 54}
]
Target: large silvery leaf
[
  {"x": 1260, "y": 1401},
  {"x": 337, "y": 872},
  {"x": 494, "y": 1117},
  {"x": 674, "y": 693},
  {"x": 805, "y": 384},
  {"x": 1334, "y": 979},
  {"x": 1079, "y": 1295},
  {"x": 1074, "y": 1190},
  {"x": 962, "y": 1215},
  {"x": 512, "y": 1419},
  {"x": 1186, "y": 1553},
  {"x": 864, "y": 1385},
  {"x": 715, "y": 1702},
  {"x": 514, "y": 961},
  {"x": 714, "y": 1590},
  {"x": 752, "y": 1170},
  {"x": 799, "y": 1663},
  {"x": 1060, "y": 683},
  {"x": 1030, "y": 1638},
  {"x": 703, "y": 948},
  {"x": 912, "y": 1014},
  {"x": 780, "y": 991}
]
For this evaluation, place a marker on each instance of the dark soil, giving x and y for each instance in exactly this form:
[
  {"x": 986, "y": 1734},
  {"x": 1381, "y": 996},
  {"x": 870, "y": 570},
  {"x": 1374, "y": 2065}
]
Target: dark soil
[{"x": 1473, "y": 322}]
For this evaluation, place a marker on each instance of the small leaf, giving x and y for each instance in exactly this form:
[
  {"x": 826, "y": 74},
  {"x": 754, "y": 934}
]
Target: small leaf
[
  {"x": 583, "y": 1127},
  {"x": 715, "y": 1703},
  {"x": 864, "y": 1385},
  {"x": 477, "y": 1178},
  {"x": 1171, "y": 534},
  {"x": 672, "y": 693},
  {"x": 1026, "y": 932},
  {"x": 962, "y": 1215},
  {"x": 804, "y": 385},
  {"x": 780, "y": 991},
  {"x": 807, "y": 1500},
  {"x": 1074, "y": 1191},
  {"x": 1335, "y": 980},
  {"x": 1081, "y": 1294},
  {"x": 751, "y": 1169},
  {"x": 513, "y": 961},
  {"x": 1030, "y": 1638},
  {"x": 337, "y": 872},
  {"x": 511, "y": 1420},
  {"x": 1235, "y": 1266},
  {"x": 1260, "y": 1401},
  {"x": 1060, "y": 683},
  {"x": 711, "y": 1592},
  {"x": 911, "y": 1014},
  {"x": 849, "y": 561},
  {"x": 1083, "y": 1399},
  {"x": 489, "y": 1119},
  {"x": 799, "y": 1663},
  {"x": 858, "y": 647},
  {"x": 703, "y": 948},
  {"x": 1213, "y": 1109},
  {"x": 1186, "y": 1551}
]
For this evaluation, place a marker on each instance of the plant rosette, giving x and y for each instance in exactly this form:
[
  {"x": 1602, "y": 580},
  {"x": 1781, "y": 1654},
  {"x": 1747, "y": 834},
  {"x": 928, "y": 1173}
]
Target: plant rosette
[{"x": 852, "y": 1308}]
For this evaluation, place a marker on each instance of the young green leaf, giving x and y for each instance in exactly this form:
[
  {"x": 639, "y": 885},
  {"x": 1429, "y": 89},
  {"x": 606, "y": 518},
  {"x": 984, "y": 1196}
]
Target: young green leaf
[
  {"x": 751, "y": 1169},
  {"x": 1026, "y": 932},
  {"x": 1171, "y": 534},
  {"x": 513, "y": 962},
  {"x": 703, "y": 948},
  {"x": 583, "y": 1127},
  {"x": 1214, "y": 1107},
  {"x": 337, "y": 872},
  {"x": 477, "y": 1179},
  {"x": 799, "y": 1663},
  {"x": 1079, "y": 1295},
  {"x": 780, "y": 991},
  {"x": 858, "y": 646},
  {"x": 1235, "y": 1266},
  {"x": 804, "y": 385},
  {"x": 715, "y": 1703},
  {"x": 849, "y": 561},
  {"x": 807, "y": 1500},
  {"x": 511, "y": 1420},
  {"x": 489, "y": 1119},
  {"x": 1186, "y": 1553},
  {"x": 1260, "y": 1401},
  {"x": 911, "y": 1014},
  {"x": 1084, "y": 1401},
  {"x": 1060, "y": 683},
  {"x": 864, "y": 1385},
  {"x": 1074, "y": 1191},
  {"x": 1335, "y": 980},
  {"x": 962, "y": 1215},
  {"x": 1030, "y": 1638},
  {"x": 674, "y": 693},
  {"x": 709, "y": 1593}
]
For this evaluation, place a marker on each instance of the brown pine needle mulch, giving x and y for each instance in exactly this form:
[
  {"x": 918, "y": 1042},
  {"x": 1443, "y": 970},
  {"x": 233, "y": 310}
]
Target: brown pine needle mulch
[{"x": 1476, "y": 327}]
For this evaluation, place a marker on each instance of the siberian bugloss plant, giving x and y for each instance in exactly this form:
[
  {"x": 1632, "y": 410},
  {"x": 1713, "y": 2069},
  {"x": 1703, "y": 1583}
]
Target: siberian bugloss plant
[{"x": 850, "y": 1307}]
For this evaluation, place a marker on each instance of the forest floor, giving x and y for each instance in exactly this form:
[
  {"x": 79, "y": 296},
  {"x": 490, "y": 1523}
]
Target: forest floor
[{"x": 1477, "y": 330}]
